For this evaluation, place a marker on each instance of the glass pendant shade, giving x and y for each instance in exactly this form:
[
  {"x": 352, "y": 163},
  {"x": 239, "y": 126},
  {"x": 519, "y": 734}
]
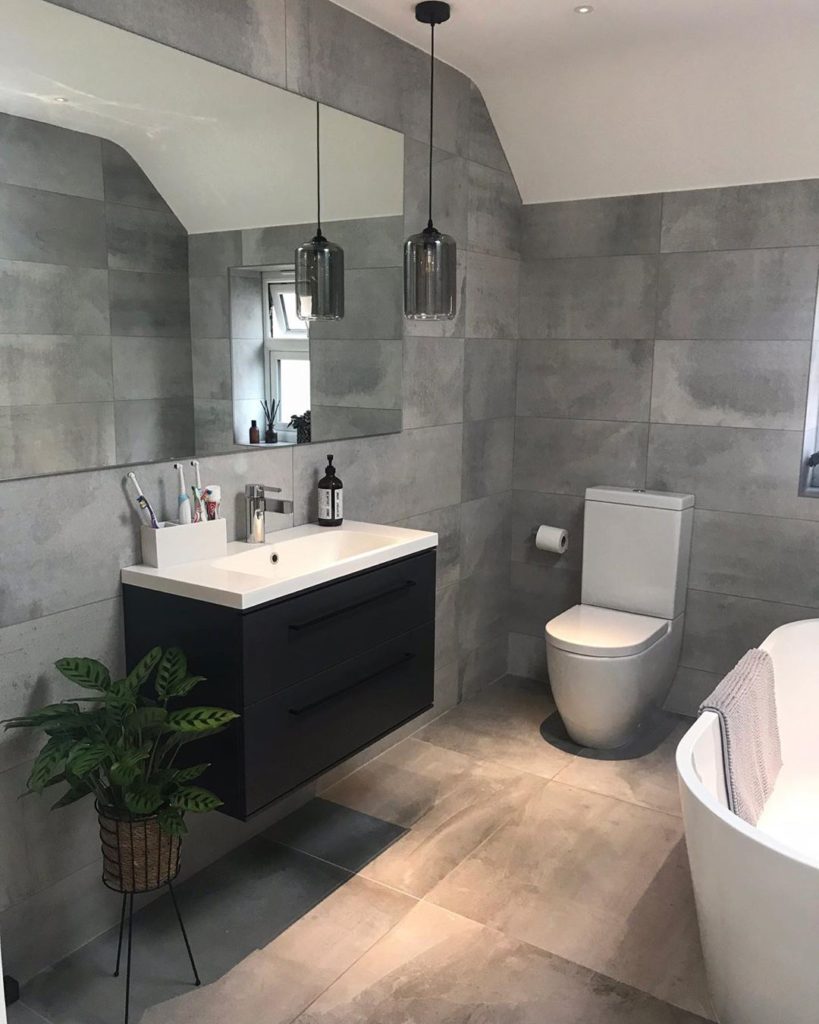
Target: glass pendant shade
[
  {"x": 430, "y": 276},
  {"x": 430, "y": 257},
  {"x": 320, "y": 280}
]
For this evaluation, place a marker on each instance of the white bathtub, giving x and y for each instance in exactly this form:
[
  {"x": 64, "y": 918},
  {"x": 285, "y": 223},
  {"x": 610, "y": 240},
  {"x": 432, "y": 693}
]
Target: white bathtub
[{"x": 757, "y": 887}]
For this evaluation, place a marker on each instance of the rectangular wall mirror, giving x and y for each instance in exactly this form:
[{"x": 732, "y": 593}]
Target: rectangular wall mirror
[{"x": 150, "y": 207}]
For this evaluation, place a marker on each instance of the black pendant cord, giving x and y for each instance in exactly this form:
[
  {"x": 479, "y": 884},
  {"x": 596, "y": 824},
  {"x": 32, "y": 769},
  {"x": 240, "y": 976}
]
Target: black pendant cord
[
  {"x": 318, "y": 171},
  {"x": 431, "y": 115}
]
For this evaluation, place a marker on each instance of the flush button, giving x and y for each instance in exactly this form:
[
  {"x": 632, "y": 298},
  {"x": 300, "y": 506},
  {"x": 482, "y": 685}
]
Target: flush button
[{"x": 274, "y": 558}]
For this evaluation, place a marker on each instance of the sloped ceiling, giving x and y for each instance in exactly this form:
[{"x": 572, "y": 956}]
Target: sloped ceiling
[{"x": 640, "y": 95}]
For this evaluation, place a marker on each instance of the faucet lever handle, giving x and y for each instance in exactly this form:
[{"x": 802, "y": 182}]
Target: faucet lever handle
[{"x": 259, "y": 490}]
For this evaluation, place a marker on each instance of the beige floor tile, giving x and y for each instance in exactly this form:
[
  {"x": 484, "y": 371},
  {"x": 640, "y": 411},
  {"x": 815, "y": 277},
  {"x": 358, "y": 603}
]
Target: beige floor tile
[
  {"x": 452, "y": 802},
  {"x": 650, "y": 781},
  {"x": 596, "y": 880},
  {"x": 437, "y": 968},
  {"x": 276, "y": 983},
  {"x": 502, "y": 724}
]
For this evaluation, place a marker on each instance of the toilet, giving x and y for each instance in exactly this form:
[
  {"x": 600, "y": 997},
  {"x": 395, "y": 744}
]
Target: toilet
[{"x": 612, "y": 658}]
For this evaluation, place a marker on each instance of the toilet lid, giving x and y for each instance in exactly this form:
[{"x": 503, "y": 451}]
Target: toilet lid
[{"x": 603, "y": 632}]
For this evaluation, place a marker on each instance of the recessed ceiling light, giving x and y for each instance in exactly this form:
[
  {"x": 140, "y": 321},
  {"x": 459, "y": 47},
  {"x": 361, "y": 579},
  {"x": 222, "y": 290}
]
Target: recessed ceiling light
[
  {"x": 583, "y": 9},
  {"x": 59, "y": 99}
]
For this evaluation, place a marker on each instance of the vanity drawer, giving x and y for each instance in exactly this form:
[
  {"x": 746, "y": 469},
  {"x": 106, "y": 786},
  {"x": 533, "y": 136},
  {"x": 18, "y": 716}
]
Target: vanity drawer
[
  {"x": 302, "y": 636},
  {"x": 307, "y": 728}
]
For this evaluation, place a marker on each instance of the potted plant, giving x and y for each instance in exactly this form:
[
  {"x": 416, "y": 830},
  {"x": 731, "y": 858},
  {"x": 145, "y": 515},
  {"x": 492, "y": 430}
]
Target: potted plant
[
  {"x": 121, "y": 746},
  {"x": 302, "y": 425}
]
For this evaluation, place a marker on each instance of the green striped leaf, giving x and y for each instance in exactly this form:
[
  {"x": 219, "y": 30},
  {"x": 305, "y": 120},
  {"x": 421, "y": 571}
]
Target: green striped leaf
[
  {"x": 85, "y": 672},
  {"x": 49, "y": 762},
  {"x": 143, "y": 799},
  {"x": 184, "y": 686},
  {"x": 189, "y": 774},
  {"x": 85, "y": 757},
  {"x": 199, "y": 719},
  {"x": 172, "y": 670},
  {"x": 140, "y": 672},
  {"x": 194, "y": 798},
  {"x": 172, "y": 822},
  {"x": 146, "y": 718}
]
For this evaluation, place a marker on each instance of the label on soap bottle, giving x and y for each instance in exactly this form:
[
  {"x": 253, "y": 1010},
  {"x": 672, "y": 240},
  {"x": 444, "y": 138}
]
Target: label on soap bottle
[{"x": 330, "y": 503}]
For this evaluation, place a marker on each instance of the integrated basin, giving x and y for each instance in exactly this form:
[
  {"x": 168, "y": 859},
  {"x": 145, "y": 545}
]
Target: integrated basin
[{"x": 290, "y": 561}]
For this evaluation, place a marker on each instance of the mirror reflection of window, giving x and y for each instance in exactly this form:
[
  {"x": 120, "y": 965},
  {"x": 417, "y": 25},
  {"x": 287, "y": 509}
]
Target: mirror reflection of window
[{"x": 287, "y": 348}]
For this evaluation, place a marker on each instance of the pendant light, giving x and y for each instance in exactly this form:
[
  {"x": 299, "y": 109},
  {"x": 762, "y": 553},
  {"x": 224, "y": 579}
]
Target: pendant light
[
  {"x": 430, "y": 257},
  {"x": 319, "y": 264}
]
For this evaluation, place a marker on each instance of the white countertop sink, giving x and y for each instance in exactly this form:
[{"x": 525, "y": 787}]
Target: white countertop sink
[{"x": 288, "y": 562}]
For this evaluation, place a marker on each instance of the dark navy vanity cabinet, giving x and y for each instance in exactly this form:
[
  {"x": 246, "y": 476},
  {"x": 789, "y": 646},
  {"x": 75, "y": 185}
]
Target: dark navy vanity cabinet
[{"x": 315, "y": 676}]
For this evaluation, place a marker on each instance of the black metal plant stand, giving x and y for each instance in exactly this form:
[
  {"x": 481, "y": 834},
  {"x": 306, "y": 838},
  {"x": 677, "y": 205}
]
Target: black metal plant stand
[
  {"x": 138, "y": 858},
  {"x": 128, "y": 904}
]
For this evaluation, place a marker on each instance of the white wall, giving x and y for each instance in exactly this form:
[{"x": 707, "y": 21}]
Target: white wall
[{"x": 709, "y": 112}]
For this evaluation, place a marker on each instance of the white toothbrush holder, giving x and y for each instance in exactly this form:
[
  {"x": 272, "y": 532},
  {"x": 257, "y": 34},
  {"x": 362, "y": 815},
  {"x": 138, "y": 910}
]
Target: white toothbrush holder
[{"x": 173, "y": 543}]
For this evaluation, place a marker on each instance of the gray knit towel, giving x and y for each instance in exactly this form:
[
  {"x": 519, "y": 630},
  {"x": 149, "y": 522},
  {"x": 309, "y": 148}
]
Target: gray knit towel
[{"x": 745, "y": 702}]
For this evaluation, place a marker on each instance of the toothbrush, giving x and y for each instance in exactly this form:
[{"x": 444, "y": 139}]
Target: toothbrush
[
  {"x": 184, "y": 510},
  {"x": 143, "y": 503},
  {"x": 196, "y": 490}
]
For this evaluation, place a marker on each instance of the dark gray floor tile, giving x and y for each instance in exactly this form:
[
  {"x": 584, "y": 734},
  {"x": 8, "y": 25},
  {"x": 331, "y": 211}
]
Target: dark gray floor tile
[{"x": 336, "y": 834}]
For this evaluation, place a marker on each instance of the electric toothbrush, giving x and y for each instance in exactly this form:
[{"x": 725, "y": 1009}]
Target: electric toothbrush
[
  {"x": 196, "y": 490},
  {"x": 184, "y": 506}
]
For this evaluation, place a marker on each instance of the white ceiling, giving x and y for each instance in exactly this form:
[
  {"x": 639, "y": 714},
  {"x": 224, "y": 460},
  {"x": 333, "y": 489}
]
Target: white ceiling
[
  {"x": 640, "y": 95},
  {"x": 224, "y": 150}
]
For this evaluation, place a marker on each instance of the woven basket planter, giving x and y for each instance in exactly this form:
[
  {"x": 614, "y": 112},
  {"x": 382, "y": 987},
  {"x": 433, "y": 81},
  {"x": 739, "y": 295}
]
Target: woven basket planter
[{"x": 137, "y": 856}]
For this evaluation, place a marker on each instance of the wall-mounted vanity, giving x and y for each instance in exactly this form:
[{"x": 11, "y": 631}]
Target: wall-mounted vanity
[{"x": 322, "y": 639}]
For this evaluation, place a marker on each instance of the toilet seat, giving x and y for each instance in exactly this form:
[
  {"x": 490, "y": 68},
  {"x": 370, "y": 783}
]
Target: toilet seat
[{"x": 604, "y": 632}]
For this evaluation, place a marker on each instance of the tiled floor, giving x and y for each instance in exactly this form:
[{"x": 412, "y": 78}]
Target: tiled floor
[{"x": 472, "y": 874}]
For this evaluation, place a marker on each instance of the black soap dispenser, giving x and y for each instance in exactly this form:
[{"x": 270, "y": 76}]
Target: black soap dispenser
[{"x": 330, "y": 497}]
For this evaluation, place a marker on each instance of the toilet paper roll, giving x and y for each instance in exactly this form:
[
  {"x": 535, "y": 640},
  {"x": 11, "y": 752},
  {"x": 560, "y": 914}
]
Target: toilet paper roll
[{"x": 551, "y": 538}]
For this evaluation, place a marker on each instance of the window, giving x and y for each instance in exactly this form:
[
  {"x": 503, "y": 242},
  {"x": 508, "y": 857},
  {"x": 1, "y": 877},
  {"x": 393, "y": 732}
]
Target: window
[{"x": 287, "y": 347}]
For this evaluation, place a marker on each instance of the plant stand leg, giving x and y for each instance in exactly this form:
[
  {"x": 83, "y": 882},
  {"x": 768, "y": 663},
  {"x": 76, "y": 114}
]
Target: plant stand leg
[
  {"x": 184, "y": 936},
  {"x": 121, "y": 930},
  {"x": 128, "y": 958}
]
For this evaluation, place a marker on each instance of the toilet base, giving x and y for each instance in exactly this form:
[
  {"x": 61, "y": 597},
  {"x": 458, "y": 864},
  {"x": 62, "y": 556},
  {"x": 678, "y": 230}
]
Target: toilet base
[{"x": 602, "y": 701}]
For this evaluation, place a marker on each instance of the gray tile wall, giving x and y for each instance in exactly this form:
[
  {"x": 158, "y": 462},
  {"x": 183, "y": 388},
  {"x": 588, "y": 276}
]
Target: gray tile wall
[
  {"x": 665, "y": 343},
  {"x": 94, "y": 333},
  {"x": 60, "y": 559}
]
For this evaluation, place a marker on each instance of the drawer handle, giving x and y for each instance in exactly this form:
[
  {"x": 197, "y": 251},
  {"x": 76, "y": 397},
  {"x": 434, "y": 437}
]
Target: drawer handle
[
  {"x": 353, "y": 686},
  {"x": 399, "y": 589}
]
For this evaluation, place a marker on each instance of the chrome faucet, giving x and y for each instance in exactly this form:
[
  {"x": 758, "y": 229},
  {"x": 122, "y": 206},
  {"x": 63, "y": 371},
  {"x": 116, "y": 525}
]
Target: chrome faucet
[{"x": 256, "y": 504}]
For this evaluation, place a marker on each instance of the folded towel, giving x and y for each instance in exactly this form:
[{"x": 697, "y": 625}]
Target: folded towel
[{"x": 745, "y": 702}]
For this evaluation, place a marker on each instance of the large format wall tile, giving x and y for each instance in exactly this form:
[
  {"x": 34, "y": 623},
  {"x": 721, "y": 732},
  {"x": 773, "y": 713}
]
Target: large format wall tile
[
  {"x": 758, "y": 294},
  {"x": 527, "y": 656},
  {"x": 623, "y": 226},
  {"x": 152, "y": 368},
  {"x": 38, "y": 298},
  {"x": 731, "y": 383},
  {"x": 154, "y": 428},
  {"x": 492, "y": 284},
  {"x": 484, "y": 145},
  {"x": 38, "y": 439},
  {"x": 151, "y": 240},
  {"x": 606, "y": 380},
  {"x": 567, "y": 456},
  {"x": 212, "y": 253},
  {"x": 39, "y": 155},
  {"x": 37, "y": 369},
  {"x": 735, "y": 469},
  {"x": 433, "y": 381},
  {"x": 720, "y": 628},
  {"x": 373, "y": 301},
  {"x": 489, "y": 378},
  {"x": 538, "y": 594},
  {"x": 602, "y": 297},
  {"x": 358, "y": 373},
  {"x": 126, "y": 182},
  {"x": 755, "y": 556},
  {"x": 247, "y": 36},
  {"x": 494, "y": 212},
  {"x": 45, "y": 227},
  {"x": 485, "y": 542},
  {"x": 488, "y": 448},
  {"x": 450, "y": 175},
  {"x": 446, "y": 522},
  {"x": 152, "y": 305},
  {"x": 211, "y": 368},
  {"x": 745, "y": 217}
]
